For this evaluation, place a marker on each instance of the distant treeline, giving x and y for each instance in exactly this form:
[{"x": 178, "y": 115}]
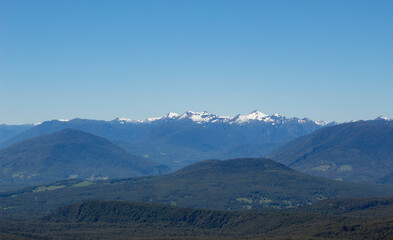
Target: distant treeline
[{"x": 330, "y": 219}]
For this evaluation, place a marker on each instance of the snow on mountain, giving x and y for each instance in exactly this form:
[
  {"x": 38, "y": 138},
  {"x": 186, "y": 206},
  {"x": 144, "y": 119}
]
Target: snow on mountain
[
  {"x": 198, "y": 117},
  {"x": 323, "y": 123},
  {"x": 171, "y": 115},
  {"x": 383, "y": 118},
  {"x": 255, "y": 115},
  {"x": 202, "y": 117},
  {"x": 125, "y": 120},
  {"x": 206, "y": 117},
  {"x": 168, "y": 116},
  {"x": 306, "y": 120},
  {"x": 152, "y": 119}
]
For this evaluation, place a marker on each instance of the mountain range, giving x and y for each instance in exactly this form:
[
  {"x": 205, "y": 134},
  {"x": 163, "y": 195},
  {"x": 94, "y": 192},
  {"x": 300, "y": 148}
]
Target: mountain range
[
  {"x": 355, "y": 151},
  {"x": 180, "y": 139},
  {"x": 275, "y": 200}
]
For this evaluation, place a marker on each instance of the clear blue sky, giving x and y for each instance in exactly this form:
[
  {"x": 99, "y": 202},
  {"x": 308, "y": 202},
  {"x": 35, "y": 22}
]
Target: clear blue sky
[{"x": 327, "y": 60}]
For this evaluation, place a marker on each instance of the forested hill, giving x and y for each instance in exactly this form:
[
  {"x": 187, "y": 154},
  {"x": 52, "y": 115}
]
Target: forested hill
[
  {"x": 359, "y": 151},
  {"x": 213, "y": 184},
  {"x": 67, "y": 154}
]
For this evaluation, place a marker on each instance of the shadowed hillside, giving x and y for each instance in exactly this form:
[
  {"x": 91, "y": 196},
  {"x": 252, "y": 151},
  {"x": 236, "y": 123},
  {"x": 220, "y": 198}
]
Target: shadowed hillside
[
  {"x": 357, "y": 151},
  {"x": 69, "y": 154}
]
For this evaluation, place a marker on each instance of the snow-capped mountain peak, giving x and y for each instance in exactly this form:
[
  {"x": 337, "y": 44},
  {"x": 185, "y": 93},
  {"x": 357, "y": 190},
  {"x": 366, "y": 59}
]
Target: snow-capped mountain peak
[
  {"x": 383, "y": 118},
  {"x": 168, "y": 116},
  {"x": 253, "y": 116},
  {"x": 257, "y": 115},
  {"x": 152, "y": 119},
  {"x": 125, "y": 120},
  {"x": 171, "y": 115},
  {"x": 206, "y": 117},
  {"x": 322, "y": 123},
  {"x": 197, "y": 117},
  {"x": 202, "y": 117}
]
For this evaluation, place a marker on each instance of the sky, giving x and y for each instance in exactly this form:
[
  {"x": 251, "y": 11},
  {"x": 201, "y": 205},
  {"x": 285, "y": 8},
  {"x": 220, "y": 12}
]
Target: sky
[{"x": 326, "y": 60}]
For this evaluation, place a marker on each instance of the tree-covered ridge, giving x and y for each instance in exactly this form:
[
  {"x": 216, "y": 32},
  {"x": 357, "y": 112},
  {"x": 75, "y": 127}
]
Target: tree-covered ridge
[
  {"x": 69, "y": 154},
  {"x": 223, "y": 185},
  {"x": 356, "y": 151},
  {"x": 126, "y": 220}
]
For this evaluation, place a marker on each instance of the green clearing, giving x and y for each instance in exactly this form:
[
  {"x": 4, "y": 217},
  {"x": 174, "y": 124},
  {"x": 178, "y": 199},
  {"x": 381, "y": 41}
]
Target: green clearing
[
  {"x": 83, "y": 184},
  {"x": 48, "y": 188}
]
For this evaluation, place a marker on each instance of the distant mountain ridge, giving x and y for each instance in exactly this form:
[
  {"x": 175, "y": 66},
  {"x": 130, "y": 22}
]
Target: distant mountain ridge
[
  {"x": 359, "y": 151},
  {"x": 206, "y": 117},
  {"x": 69, "y": 154},
  {"x": 178, "y": 140},
  {"x": 8, "y": 131}
]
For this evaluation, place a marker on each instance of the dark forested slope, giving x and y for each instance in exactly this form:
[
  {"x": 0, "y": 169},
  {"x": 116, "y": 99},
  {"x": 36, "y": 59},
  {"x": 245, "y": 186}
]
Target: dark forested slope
[
  {"x": 357, "y": 151},
  {"x": 231, "y": 184},
  {"x": 360, "y": 219},
  {"x": 69, "y": 154}
]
